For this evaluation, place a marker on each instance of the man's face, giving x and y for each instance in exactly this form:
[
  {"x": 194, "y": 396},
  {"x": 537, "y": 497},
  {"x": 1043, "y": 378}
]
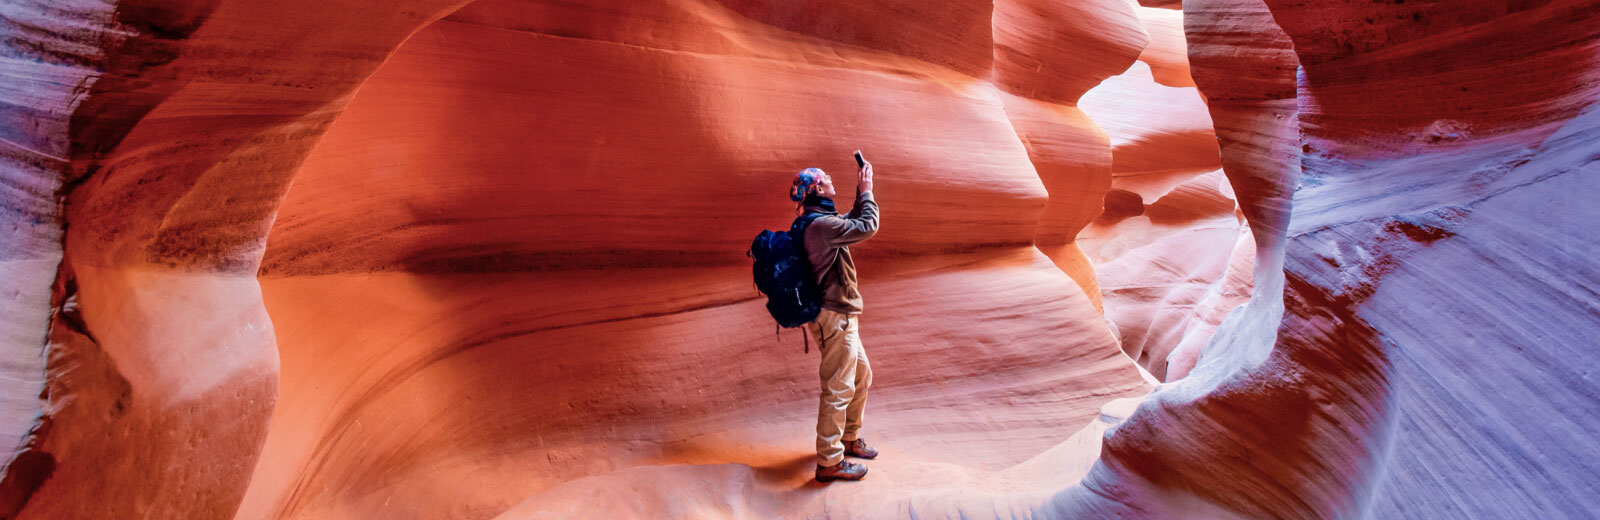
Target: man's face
[{"x": 825, "y": 185}]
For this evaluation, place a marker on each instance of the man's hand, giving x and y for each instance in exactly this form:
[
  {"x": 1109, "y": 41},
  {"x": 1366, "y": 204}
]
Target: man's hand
[{"x": 864, "y": 179}]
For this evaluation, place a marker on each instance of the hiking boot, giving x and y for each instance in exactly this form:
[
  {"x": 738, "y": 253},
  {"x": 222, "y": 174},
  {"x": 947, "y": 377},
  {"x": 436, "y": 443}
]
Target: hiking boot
[
  {"x": 859, "y": 448},
  {"x": 844, "y": 470}
]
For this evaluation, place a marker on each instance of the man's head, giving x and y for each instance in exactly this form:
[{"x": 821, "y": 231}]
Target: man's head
[{"x": 811, "y": 180}]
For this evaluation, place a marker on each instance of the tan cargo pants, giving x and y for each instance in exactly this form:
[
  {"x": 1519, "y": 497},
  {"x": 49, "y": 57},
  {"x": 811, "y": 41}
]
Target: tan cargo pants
[{"x": 846, "y": 376}]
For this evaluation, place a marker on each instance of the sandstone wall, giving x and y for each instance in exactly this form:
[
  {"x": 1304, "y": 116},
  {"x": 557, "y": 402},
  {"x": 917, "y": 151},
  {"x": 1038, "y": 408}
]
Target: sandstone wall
[
  {"x": 550, "y": 163},
  {"x": 522, "y": 166},
  {"x": 294, "y": 259},
  {"x": 161, "y": 135},
  {"x": 1421, "y": 231}
]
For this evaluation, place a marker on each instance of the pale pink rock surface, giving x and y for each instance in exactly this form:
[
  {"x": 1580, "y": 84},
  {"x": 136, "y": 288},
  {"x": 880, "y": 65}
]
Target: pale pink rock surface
[
  {"x": 1165, "y": 238},
  {"x": 1168, "y": 52},
  {"x": 36, "y": 103}
]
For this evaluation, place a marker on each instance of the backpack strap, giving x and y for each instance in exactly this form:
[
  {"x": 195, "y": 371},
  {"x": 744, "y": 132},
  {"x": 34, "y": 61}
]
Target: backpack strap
[
  {"x": 801, "y": 222},
  {"x": 797, "y": 230}
]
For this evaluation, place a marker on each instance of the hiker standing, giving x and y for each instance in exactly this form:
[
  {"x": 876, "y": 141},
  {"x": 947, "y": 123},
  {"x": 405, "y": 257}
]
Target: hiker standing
[{"x": 846, "y": 374}]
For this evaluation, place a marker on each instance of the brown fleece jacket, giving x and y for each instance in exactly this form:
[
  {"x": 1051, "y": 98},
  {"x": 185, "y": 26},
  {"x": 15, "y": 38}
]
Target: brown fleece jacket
[{"x": 828, "y": 240}]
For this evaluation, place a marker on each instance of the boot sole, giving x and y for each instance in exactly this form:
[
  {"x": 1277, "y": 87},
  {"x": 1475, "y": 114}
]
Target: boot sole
[
  {"x": 846, "y": 479},
  {"x": 831, "y": 479}
]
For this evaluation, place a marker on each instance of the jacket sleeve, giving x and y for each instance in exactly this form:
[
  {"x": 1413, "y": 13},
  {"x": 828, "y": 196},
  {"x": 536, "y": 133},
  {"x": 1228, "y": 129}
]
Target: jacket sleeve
[{"x": 860, "y": 224}]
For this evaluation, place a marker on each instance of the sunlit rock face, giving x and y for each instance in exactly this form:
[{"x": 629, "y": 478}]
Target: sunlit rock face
[
  {"x": 451, "y": 259},
  {"x": 548, "y": 271},
  {"x": 507, "y": 254},
  {"x": 1170, "y": 235}
]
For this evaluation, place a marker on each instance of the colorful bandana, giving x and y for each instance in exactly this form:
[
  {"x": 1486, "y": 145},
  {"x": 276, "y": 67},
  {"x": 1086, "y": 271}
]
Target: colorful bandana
[{"x": 803, "y": 182}]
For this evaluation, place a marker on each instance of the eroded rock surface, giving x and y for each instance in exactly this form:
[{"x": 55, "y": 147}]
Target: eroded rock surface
[
  {"x": 576, "y": 222},
  {"x": 1389, "y": 383}
]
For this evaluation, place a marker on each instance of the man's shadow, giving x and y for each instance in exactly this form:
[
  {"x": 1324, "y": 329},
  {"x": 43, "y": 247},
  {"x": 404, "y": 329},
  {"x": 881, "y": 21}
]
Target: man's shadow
[{"x": 798, "y": 472}]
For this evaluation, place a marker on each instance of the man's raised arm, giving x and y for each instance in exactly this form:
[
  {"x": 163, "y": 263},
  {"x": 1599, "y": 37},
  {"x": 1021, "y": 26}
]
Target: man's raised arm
[{"x": 862, "y": 222}]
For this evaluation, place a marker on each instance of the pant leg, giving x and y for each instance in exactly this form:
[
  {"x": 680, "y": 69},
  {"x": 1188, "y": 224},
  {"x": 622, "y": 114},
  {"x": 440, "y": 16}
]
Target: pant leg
[
  {"x": 838, "y": 375},
  {"x": 863, "y": 381}
]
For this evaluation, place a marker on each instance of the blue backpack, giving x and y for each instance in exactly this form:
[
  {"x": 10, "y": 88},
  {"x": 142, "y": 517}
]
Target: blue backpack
[{"x": 783, "y": 273}]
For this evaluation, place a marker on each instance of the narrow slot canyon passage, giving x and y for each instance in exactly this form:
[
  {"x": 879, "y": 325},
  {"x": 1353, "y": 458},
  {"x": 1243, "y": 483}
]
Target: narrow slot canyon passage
[
  {"x": 547, "y": 282},
  {"x": 479, "y": 259}
]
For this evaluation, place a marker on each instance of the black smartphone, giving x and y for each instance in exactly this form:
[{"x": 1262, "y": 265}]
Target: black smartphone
[{"x": 861, "y": 162}]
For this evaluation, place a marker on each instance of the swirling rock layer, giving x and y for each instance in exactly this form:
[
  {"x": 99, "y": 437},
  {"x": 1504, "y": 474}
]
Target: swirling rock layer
[{"x": 1397, "y": 377}]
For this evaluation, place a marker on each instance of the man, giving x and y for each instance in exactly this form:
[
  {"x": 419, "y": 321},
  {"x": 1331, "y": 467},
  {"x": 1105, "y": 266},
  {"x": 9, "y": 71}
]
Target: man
[{"x": 846, "y": 374}]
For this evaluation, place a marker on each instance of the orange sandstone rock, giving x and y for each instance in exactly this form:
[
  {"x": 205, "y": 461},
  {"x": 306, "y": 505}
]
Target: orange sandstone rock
[{"x": 451, "y": 259}]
